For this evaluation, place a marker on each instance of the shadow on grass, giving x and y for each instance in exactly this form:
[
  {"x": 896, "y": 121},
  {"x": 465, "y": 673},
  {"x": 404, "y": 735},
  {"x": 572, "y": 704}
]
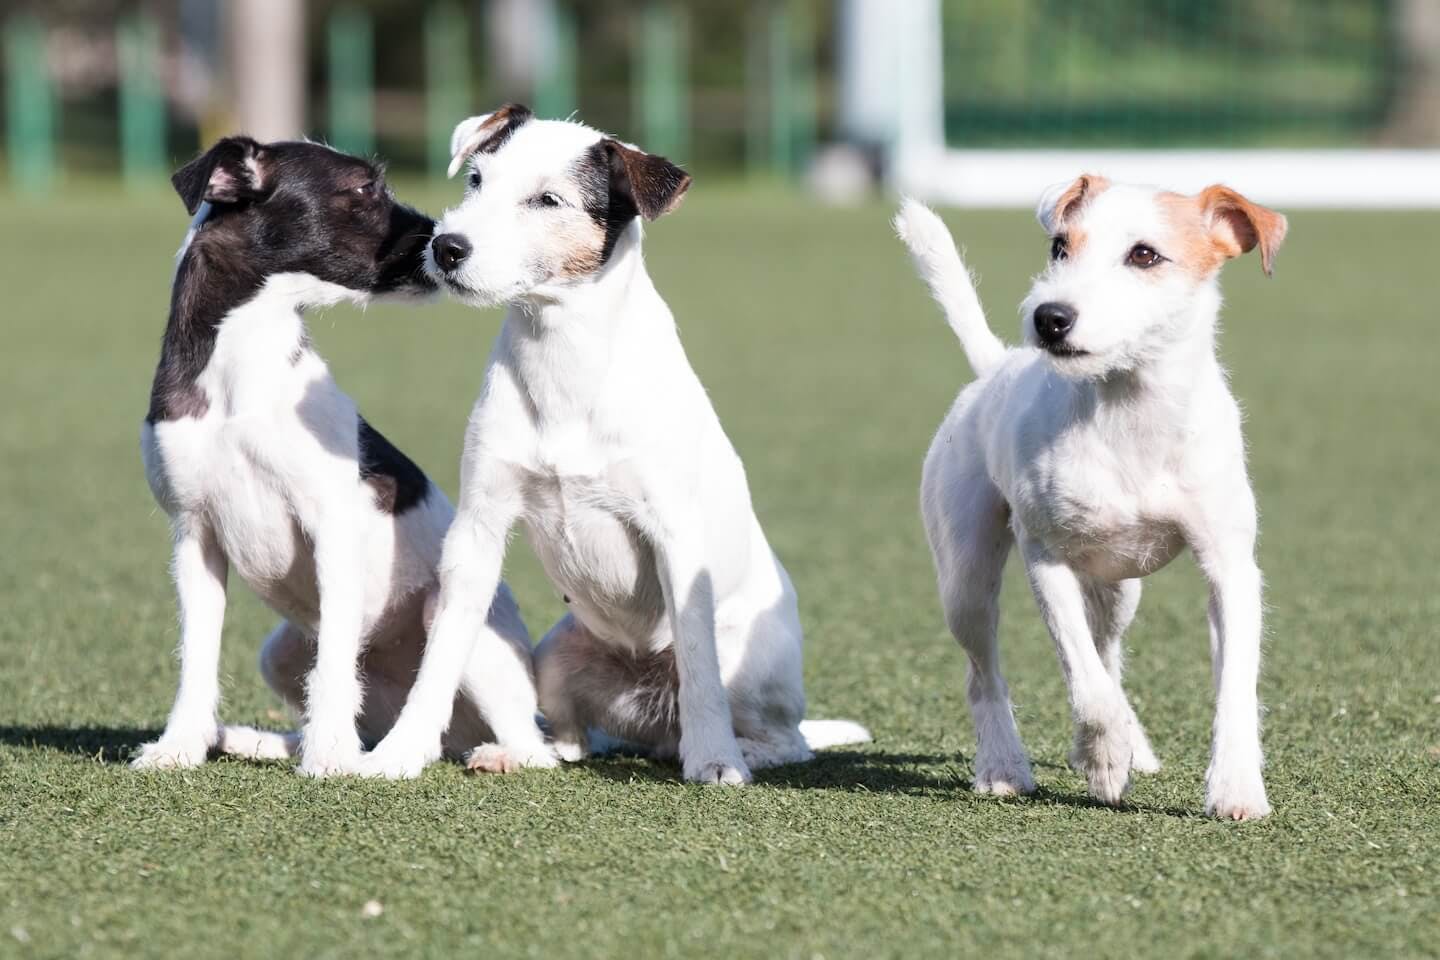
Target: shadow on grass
[
  {"x": 860, "y": 771},
  {"x": 102, "y": 744}
]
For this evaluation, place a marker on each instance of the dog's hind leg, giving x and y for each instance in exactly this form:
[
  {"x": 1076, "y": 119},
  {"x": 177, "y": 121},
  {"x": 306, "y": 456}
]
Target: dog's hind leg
[
  {"x": 1110, "y": 609},
  {"x": 970, "y": 538},
  {"x": 586, "y": 684}
]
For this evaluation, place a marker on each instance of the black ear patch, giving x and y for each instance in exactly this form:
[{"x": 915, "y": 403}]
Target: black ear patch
[
  {"x": 228, "y": 172},
  {"x": 654, "y": 185},
  {"x": 503, "y": 123}
]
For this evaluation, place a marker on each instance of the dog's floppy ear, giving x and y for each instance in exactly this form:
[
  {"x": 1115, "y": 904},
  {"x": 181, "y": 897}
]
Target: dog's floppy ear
[
  {"x": 653, "y": 185},
  {"x": 1063, "y": 200},
  {"x": 1239, "y": 226},
  {"x": 228, "y": 172},
  {"x": 485, "y": 133}
]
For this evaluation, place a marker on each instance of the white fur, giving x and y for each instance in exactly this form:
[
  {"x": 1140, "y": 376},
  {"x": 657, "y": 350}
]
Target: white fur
[
  {"x": 1101, "y": 468},
  {"x": 266, "y": 483},
  {"x": 594, "y": 433}
]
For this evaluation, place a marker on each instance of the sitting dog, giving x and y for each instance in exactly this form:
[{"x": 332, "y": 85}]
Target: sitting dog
[
  {"x": 1102, "y": 448},
  {"x": 263, "y": 465},
  {"x": 683, "y": 635}
]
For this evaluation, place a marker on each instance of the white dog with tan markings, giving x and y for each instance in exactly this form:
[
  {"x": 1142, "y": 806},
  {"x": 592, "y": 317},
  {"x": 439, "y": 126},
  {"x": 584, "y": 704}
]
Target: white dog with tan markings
[
  {"x": 593, "y": 431},
  {"x": 1102, "y": 448}
]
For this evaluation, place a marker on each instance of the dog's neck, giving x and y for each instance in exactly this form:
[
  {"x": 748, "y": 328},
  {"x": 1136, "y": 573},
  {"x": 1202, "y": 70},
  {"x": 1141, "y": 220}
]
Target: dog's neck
[
  {"x": 1157, "y": 394},
  {"x": 564, "y": 341},
  {"x": 216, "y": 281}
]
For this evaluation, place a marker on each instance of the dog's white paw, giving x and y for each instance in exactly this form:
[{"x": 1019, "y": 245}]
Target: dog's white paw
[
  {"x": 392, "y": 764},
  {"x": 1143, "y": 759},
  {"x": 319, "y": 764},
  {"x": 498, "y": 758},
  {"x": 166, "y": 754},
  {"x": 731, "y": 773},
  {"x": 570, "y": 751},
  {"x": 1104, "y": 755},
  {"x": 998, "y": 779},
  {"x": 1236, "y": 796}
]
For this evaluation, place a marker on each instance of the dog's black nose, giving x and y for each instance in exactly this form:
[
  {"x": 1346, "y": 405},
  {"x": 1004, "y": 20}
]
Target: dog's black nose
[
  {"x": 1053, "y": 321},
  {"x": 450, "y": 250}
]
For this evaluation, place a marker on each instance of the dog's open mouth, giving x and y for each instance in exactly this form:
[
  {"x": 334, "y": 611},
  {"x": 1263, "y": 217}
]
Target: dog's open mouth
[{"x": 1065, "y": 350}]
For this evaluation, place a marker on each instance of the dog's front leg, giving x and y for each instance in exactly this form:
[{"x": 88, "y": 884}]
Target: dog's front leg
[
  {"x": 194, "y": 727},
  {"x": 329, "y": 743},
  {"x": 1104, "y": 742},
  {"x": 1234, "y": 784},
  {"x": 709, "y": 752},
  {"x": 469, "y": 575}
]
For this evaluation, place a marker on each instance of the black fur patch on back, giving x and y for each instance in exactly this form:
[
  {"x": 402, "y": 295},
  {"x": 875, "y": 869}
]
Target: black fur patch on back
[{"x": 398, "y": 483}]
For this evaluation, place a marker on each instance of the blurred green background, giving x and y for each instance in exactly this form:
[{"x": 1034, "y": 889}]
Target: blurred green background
[{"x": 830, "y": 370}]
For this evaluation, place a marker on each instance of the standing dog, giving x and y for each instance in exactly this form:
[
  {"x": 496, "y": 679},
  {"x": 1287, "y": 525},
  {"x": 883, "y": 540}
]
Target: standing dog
[
  {"x": 1102, "y": 449},
  {"x": 264, "y": 465},
  {"x": 683, "y": 634}
]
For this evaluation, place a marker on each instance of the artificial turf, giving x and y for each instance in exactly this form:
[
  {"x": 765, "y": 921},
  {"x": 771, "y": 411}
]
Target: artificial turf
[{"x": 830, "y": 370}]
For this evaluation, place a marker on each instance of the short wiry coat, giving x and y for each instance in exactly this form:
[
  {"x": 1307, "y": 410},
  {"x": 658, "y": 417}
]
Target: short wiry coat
[
  {"x": 593, "y": 432},
  {"x": 1101, "y": 449}
]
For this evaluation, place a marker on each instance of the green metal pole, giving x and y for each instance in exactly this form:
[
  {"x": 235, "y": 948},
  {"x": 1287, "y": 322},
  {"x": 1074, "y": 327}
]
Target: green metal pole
[
  {"x": 447, "y": 78},
  {"x": 352, "y": 81},
  {"x": 757, "y": 126},
  {"x": 555, "y": 95},
  {"x": 782, "y": 90},
  {"x": 805, "y": 106},
  {"x": 142, "y": 101},
  {"x": 661, "y": 92},
  {"x": 30, "y": 106}
]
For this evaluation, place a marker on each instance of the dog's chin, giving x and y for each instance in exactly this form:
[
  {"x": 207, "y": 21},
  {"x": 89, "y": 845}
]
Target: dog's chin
[
  {"x": 471, "y": 296},
  {"x": 1075, "y": 363}
]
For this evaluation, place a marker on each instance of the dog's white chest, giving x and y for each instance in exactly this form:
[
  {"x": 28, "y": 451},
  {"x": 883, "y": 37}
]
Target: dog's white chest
[
  {"x": 1097, "y": 519},
  {"x": 270, "y": 419},
  {"x": 580, "y": 529}
]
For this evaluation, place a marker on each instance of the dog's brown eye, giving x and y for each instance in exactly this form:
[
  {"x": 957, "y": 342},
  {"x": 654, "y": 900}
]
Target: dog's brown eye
[
  {"x": 1059, "y": 249},
  {"x": 1143, "y": 257},
  {"x": 547, "y": 199}
]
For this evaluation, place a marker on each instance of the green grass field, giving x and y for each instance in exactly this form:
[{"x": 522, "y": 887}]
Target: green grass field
[{"x": 830, "y": 370}]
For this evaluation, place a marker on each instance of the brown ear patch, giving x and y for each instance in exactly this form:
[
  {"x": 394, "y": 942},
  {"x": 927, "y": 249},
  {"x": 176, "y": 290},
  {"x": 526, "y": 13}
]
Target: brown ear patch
[
  {"x": 1239, "y": 226},
  {"x": 655, "y": 185},
  {"x": 1085, "y": 188}
]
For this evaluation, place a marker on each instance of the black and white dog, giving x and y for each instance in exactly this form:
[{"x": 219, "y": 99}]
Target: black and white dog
[{"x": 264, "y": 465}]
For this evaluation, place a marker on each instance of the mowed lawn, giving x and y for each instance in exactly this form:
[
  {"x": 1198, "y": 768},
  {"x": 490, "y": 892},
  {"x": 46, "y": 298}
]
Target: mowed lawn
[{"x": 830, "y": 369}]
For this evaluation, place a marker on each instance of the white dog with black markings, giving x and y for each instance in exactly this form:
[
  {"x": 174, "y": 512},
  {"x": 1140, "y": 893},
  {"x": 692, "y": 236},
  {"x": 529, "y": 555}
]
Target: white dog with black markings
[
  {"x": 1102, "y": 448},
  {"x": 265, "y": 467},
  {"x": 592, "y": 431}
]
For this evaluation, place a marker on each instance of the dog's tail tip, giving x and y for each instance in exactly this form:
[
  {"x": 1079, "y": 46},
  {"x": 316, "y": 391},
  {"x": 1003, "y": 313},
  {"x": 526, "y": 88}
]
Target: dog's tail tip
[
  {"x": 820, "y": 734},
  {"x": 254, "y": 744},
  {"x": 919, "y": 227}
]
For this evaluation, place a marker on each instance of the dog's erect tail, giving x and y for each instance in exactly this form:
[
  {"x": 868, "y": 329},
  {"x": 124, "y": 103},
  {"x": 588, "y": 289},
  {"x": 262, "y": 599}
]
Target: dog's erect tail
[
  {"x": 939, "y": 264},
  {"x": 820, "y": 734}
]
